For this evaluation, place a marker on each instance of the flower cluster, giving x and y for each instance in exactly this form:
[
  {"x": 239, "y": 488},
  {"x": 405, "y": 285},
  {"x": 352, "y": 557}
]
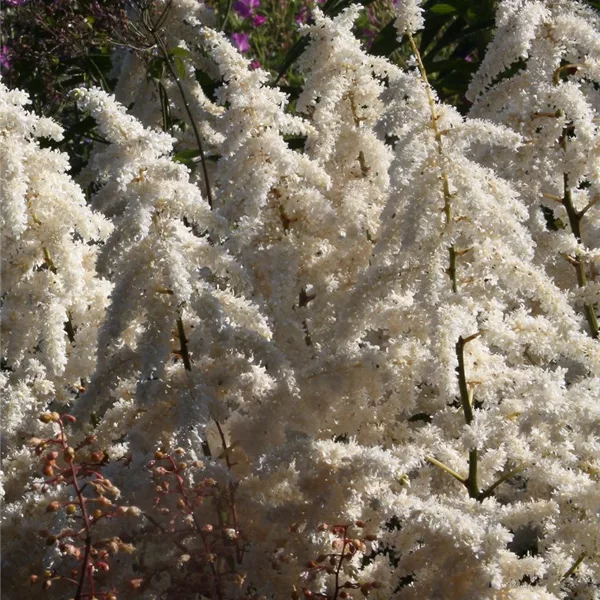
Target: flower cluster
[{"x": 334, "y": 348}]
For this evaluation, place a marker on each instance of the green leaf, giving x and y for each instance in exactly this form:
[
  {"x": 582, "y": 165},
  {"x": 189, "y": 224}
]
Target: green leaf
[
  {"x": 179, "y": 67},
  {"x": 186, "y": 157},
  {"x": 180, "y": 52},
  {"x": 442, "y": 9},
  {"x": 156, "y": 69}
]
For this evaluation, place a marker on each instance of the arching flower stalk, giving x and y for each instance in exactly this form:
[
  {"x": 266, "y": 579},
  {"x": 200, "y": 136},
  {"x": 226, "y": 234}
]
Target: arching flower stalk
[
  {"x": 552, "y": 101},
  {"x": 52, "y": 305},
  {"x": 464, "y": 365}
]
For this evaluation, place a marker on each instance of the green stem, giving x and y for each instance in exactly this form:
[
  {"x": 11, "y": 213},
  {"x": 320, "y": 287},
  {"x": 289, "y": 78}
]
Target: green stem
[
  {"x": 490, "y": 490},
  {"x": 575, "y": 566},
  {"x": 152, "y": 30},
  {"x": 446, "y": 468},
  {"x": 575, "y": 218},
  {"x": 226, "y": 15},
  {"x": 466, "y": 398},
  {"x": 440, "y": 149}
]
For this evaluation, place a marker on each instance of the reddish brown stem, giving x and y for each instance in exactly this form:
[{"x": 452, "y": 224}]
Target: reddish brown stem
[
  {"x": 86, "y": 522},
  {"x": 238, "y": 550}
]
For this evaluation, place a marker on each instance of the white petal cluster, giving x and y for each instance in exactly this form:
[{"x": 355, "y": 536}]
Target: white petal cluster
[
  {"x": 52, "y": 300},
  {"x": 409, "y": 16},
  {"x": 552, "y": 100},
  {"x": 380, "y": 346}
]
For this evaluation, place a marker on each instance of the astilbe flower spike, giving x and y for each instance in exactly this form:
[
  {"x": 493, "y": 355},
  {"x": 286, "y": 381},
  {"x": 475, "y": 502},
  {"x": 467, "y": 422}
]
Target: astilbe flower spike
[{"x": 365, "y": 368}]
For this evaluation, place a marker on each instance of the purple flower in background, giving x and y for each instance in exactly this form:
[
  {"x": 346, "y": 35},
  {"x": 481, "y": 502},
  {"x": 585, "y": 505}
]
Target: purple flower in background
[
  {"x": 240, "y": 41},
  {"x": 14, "y": 2},
  {"x": 258, "y": 20},
  {"x": 302, "y": 16},
  {"x": 5, "y": 57},
  {"x": 245, "y": 8},
  {"x": 255, "y": 64}
]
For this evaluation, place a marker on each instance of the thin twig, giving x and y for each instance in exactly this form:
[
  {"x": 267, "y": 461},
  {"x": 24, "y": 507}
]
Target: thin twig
[
  {"x": 489, "y": 490},
  {"x": 440, "y": 148},
  {"x": 151, "y": 28},
  {"x": 575, "y": 566},
  {"x": 446, "y": 468},
  {"x": 226, "y": 15},
  {"x": 466, "y": 398}
]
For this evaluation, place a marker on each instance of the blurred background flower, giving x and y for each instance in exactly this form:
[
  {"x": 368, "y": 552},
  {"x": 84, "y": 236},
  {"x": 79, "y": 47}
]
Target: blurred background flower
[{"x": 245, "y": 8}]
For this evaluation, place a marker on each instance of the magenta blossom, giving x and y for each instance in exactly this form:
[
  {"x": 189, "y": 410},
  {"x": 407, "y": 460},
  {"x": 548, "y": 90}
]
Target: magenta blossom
[
  {"x": 302, "y": 16},
  {"x": 5, "y": 57},
  {"x": 240, "y": 41},
  {"x": 258, "y": 20},
  {"x": 255, "y": 64},
  {"x": 245, "y": 8}
]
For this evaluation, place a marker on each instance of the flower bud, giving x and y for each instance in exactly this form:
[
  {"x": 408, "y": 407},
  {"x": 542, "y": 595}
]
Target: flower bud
[
  {"x": 33, "y": 579},
  {"x": 69, "y": 454},
  {"x": 135, "y": 584},
  {"x": 97, "y": 456},
  {"x": 53, "y": 506},
  {"x": 71, "y": 509}
]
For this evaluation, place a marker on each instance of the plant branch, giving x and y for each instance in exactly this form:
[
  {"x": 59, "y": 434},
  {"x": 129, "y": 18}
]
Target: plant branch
[
  {"x": 234, "y": 515},
  {"x": 226, "y": 15},
  {"x": 446, "y": 468},
  {"x": 152, "y": 30},
  {"x": 509, "y": 475},
  {"x": 575, "y": 218},
  {"x": 440, "y": 148},
  {"x": 466, "y": 398},
  {"x": 575, "y": 566}
]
